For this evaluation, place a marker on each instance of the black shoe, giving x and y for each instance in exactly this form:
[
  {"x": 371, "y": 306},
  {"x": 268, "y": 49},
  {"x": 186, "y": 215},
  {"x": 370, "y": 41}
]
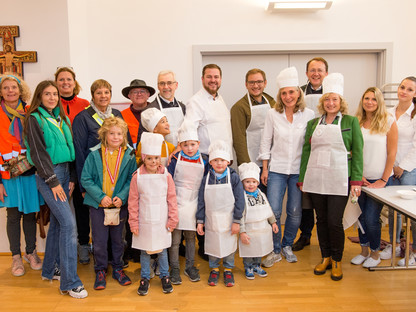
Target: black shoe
[
  {"x": 166, "y": 285},
  {"x": 300, "y": 243},
  {"x": 144, "y": 287}
]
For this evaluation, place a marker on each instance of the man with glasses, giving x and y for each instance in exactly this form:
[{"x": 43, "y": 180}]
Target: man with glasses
[
  {"x": 247, "y": 118},
  {"x": 138, "y": 92},
  {"x": 168, "y": 104}
]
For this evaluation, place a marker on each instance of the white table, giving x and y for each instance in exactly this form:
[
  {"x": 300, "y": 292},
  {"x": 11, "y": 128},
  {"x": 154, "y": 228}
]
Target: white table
[{"x": 389, "y": 197}]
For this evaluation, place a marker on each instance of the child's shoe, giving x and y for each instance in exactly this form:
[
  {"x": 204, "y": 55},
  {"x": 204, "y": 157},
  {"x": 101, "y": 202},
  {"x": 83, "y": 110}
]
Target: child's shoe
[
  {"x": 249, "y": 273},
  {"x": 77, "y": 292},
  {"x": 259, "y": 271},
  {"x": 17, "y": 266},
  {"x": 34, "y": 260},
  {"x": 144, "y": 287},
  {"x": 213, "y": 278},
  {"x": 271, "y": 259},
  {"x": 228, "y": 278},
  {"x": 121, "y": 277},
  {"x": 175, "y": 276},
  {"x": 166, "y": 285},
  {"x": 100, "y": 281},
  {"x": 193, "y": 274}
]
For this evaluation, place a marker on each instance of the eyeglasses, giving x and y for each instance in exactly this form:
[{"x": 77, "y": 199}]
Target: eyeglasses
[
  {"x": 253, "y": 82},
  {"x": 141, "y": 92},
  {"x": 319, "y": 70},
  {"x": 168, "y": 83}
]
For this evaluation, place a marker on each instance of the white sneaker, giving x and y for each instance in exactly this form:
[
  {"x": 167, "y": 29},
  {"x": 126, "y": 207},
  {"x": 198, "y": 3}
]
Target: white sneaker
[
  {"x": 271, "y": 259},
  {"x": 370, "y": 262},
  {"x": 412, "y": 260},
  {"x": 387, "y": 252},
  {"x": 288, "y": 254},
  {"x": 77, "y": 292},
  {"x": 357, "y": 260}
]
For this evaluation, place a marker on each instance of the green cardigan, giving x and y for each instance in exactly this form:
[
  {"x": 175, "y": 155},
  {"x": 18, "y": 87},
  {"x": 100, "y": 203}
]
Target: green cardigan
[{"x": 353, "y": 140}]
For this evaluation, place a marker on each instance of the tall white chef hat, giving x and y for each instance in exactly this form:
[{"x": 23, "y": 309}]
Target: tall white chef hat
[
  {"x": 288, "y": 77},
  {"x": 219, "y": 149},
  {"x": 150, "y": 118},
  {"x": 333, "y": 83},
  {"x": 249, "y": 170},
  {"x": 151, "y": 143},
  {"x": 187, "y": 131}
]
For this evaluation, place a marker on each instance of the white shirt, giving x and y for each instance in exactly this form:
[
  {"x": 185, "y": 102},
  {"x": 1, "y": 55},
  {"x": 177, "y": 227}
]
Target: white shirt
[
  {"x": 282, "y": 141},
  {"x": 375, "y": 152},
  {"x": 406, "y": 145},
  {"x": 212, "y": 119}
]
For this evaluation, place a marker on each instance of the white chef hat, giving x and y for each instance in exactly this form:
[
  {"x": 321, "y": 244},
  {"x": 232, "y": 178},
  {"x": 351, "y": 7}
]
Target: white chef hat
[
  {"x": 333, "y": 83},
  {"x": 150, "y": 118},
  {"x": 288, "y": 77},
  {"x": 249, "y": 170},
  {"x": 187, "y": 131},
  {"x": 219, "y": 149},
  {"x": 151, "y": 143}
]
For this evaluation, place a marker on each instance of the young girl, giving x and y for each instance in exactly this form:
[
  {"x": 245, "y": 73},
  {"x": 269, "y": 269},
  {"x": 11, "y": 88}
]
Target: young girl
[
  {"x": 153, "y": 211},
  {"x": 106, "y": 178},
  {"x": 51, "y": 150}
]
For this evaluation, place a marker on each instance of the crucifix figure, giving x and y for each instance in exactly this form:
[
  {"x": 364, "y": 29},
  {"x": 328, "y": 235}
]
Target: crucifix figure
[{"x": 10, "y": 59}]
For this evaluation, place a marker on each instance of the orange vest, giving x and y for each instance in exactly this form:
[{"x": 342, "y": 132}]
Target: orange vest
[{"x": 132, "y": 123}]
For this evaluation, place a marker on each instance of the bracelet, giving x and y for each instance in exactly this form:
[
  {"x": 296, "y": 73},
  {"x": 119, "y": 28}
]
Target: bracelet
[{"x": 383, "y": 180}]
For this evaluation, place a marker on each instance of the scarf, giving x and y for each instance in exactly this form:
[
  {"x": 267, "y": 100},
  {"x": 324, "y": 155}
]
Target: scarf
[
  {"x": 195, "y": 157},
  {"x": 100, "y": 114},
  {"x": 254, "y": 194},
  {"x": 16, "y": 115}
]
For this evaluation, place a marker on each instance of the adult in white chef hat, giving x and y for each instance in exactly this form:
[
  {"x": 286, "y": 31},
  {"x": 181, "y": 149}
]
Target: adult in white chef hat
[
  {"x": 280, "y": 151},
  {"x": 151, "y": 117},
  {"x": 332, "y": 161}
]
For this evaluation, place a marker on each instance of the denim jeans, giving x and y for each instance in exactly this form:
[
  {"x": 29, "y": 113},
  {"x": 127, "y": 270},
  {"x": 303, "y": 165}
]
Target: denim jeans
[
  {"x": 145, "y": 264},
  {"x": 61, "y": 241},
  {"x": 227, "y": 262},
  {"x": 370, "y": 220},
  {"x": 251, "y": 262},
  {"x": 407, "y": 178},
  {"x": 277, "y": 184},
  {"x": 189, "y": 248}
]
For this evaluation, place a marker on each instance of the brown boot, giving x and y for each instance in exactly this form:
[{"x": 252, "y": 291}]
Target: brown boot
[
  {"x": 323, "y": 266},
  {"x": 336, "y": 273}
]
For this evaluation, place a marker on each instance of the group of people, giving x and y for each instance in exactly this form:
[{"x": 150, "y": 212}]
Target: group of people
[{"x": 158, "y": 173}]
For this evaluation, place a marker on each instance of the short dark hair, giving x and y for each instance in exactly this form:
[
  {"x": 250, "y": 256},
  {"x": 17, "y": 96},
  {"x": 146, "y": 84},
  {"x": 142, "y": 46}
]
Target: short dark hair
[
  {"x": 215, "y": 66},
  {"x": 317, "y": 59}
]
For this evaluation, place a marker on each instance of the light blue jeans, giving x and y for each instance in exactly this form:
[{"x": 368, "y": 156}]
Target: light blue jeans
[
  {"x": 277, "y": 184},
  {"x": 61, "y": 242},
  {"x": 145, "y": 264},
  {"x": 227, "y": 262}
]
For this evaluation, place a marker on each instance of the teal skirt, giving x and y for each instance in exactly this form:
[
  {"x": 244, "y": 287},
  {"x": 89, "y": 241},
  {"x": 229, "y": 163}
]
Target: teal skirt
[{"x": 22, "y": 193}]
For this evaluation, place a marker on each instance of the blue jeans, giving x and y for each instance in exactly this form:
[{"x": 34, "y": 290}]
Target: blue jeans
[
  {"x": 407, "y": 178},
  {"x": 370, "y": 220},
  {"x": 145, "y": 264},
  {"x": 251, "y": 262},
  {"x": 227, "y": 262},
  {"x": 62, "y": 237},
  {"x": 277, "y": 184}
]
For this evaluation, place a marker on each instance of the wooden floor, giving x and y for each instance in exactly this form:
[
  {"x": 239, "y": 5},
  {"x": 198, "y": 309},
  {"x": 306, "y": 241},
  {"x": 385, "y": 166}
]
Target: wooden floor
[{"x": 289, "y": 287}]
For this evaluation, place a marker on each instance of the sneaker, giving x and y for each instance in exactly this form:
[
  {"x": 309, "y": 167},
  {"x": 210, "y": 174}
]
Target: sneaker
[
  {"x": 125, "y": 263},
  {"x": 360, "y": 259},
  {"x": 77, "y": 292},
  {"x": 121, "y": 277},
  {"x": 213, "y": 278},
  {"x": 175, "y": 276},
  {"x": 166, "y": 285},
  {"x": 56, "y": 275},
  {"x": 228, "y": 278},
  {"x": 271, "y": 259},
  {"x": 259, "y": 271},
  {"x": 84, "y": 253},
  {"x": 17, "y": 266},
  {"x": 249, "y": 273},
  {"x": 193, "y": 274},
  {"x": 100, "y": 281},
  {"x": 34, "y": 260},
  {"x": 144, "y": 287},
  {"x": 387, "y": 252},
  {"x": 412, "y": 260},
  {"x": 289, "y": 255},
  {"x": 370, "y": 262}
]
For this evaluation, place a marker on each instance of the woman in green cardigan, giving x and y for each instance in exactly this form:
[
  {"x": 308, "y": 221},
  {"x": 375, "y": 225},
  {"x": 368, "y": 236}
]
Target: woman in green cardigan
[{"x": 331, "y": 167}]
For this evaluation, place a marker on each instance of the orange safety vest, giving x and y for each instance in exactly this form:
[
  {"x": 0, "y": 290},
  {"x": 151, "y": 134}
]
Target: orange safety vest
[{"x": 132, "y": 123}]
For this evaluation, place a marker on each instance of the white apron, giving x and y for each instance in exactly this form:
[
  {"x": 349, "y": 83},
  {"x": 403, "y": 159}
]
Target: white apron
[
  {"x": 188, "y": 177},
  {"x": 255, "y": 129},
  {"x": 259, "y": 230},
  {"x": 219, "y": 208},
  {"x": 153, "y": 213},
  {"x": 175, "y": 119},
  {"x": 327, "y": 169},
  {"x": 312, "y": 101}
]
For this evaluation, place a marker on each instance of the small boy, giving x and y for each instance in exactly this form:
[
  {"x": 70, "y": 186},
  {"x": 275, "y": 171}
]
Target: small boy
[
  {"x": 187, "y": 169},
  {"x": 153, "y": 211},
  {"x": 256, "y": 238},
  {"x": 220, "y": 209}
]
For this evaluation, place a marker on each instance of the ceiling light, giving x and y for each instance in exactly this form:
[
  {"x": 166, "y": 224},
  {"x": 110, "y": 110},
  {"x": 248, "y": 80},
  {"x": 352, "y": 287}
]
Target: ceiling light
[{"x": 297, "y": 5}]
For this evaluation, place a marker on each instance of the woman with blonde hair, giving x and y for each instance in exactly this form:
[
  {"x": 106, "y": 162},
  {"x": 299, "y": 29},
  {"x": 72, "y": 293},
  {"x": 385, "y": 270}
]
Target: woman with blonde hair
[{"x": 380, "y": 146}]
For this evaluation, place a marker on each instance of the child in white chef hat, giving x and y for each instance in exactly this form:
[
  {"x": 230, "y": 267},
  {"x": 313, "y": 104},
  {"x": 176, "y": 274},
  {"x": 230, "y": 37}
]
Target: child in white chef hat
[
  {"x": 256, "y": 238},
  {"x": 153, "y": 211},
  {"x": 154, "y": 121}
]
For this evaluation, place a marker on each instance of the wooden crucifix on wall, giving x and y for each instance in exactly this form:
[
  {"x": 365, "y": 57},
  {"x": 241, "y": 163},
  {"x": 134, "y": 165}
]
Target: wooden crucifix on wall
[{"x": 10, "y": 59}]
